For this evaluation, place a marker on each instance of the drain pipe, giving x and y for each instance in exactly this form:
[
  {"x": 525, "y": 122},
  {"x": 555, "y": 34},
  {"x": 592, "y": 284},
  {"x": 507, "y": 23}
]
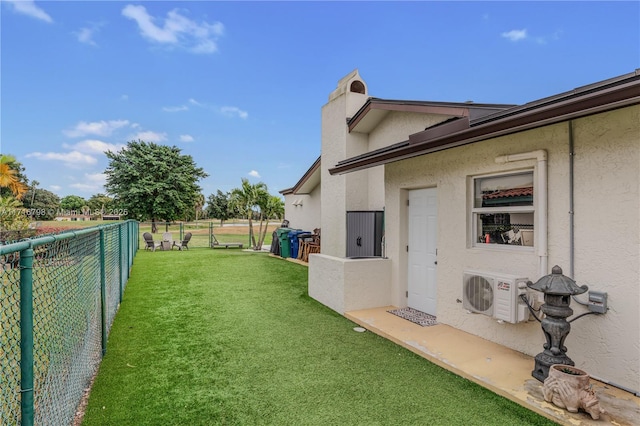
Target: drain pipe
[
  {"x": 541, "y": 199},
  {"x": 571, "y": 212}
]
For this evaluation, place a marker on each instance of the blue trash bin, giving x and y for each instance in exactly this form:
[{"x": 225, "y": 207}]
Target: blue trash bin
[{"x": 294, "y": 241}]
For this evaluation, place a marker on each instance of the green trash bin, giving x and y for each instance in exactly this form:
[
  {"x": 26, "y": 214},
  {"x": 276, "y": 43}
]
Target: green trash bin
[{"x": 285, "y": 245}]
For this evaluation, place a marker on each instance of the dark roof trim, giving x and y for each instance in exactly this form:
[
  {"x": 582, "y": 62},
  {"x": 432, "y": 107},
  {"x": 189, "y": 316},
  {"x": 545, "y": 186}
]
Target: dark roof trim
[
  {"x": 293, "y": 190},
  {"x": 588, "y": 100},
  {"x": 453, "y": 125},
  {"x": 455, "y": 109}
]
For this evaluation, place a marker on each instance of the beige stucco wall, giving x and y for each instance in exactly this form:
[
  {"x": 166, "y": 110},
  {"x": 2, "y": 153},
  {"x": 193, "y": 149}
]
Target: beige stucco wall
[
  {"x": 364, "y": 189},
  {"x": 395, "y": 127},
  {"x": 349, "y": 284},
  {"x": 335, "y": 192},
  {"x": 607, "y": 235},
  {"x": 307, "y": 215}
]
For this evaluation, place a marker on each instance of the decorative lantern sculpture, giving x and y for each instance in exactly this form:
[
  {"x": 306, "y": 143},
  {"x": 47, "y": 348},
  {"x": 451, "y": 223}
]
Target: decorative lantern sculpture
[{"x": 557, "y": 290}]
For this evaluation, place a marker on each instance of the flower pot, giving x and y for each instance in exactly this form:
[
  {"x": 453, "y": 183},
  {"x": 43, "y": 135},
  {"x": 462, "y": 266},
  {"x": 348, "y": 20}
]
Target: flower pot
[{"x": 568, "y": 387}]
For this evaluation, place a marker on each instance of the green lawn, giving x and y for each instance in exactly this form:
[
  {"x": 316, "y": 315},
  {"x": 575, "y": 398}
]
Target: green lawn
[{"x": 225, "y": 337}]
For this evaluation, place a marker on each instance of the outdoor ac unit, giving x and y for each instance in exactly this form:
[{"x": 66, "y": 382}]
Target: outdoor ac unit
[{"x": 495, "y": 295}]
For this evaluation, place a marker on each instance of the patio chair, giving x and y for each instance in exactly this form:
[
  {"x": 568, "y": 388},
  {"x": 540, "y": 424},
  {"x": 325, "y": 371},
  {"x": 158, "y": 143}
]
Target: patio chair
[
  {"x": 184, "y": 243},
  {"x": 149, "y": 244},
  {"x": 215, "y": 243}
]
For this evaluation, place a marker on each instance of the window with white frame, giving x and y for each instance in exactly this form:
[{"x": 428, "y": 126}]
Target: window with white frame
[{"x": 503, "y": 209}]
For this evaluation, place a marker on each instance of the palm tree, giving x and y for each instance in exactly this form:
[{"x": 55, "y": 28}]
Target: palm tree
[
  {"x": 199, "y": 204},
  {"x": 34, "y": 183},
  {"x": 273, "y": 208},
  {"x": 245, "y": 199},
  {"x": 12, "y": 217},
  {"x": 9, "y": 177}
]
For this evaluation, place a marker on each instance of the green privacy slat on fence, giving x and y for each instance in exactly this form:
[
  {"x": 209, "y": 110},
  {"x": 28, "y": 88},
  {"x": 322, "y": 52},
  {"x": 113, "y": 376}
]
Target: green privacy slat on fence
[{"x": 67, "y": 318}]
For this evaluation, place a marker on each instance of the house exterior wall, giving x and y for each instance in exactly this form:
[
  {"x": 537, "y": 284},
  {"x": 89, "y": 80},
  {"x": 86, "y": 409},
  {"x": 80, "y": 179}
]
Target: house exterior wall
[
  {"x": 396, "y": 127},
  {"x": 349, "y": 284},
  {"x": 607, "y": 234},
  {"x": 307, "y": 215},
  {"x": 338, "y": 189}
]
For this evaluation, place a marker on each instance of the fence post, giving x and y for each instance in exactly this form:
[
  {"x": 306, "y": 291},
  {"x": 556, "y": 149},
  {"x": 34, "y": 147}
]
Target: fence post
[
  {"x": 127, "y": 253},
  {"x": 120, "y": 261},
  {"x": 103, "y": 292},
  {"x": 181, "y": 231},
  {"x": 26, "y": 337}
]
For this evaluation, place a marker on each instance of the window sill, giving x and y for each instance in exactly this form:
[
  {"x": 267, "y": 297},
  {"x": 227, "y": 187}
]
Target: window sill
[{"x": 503, "y": 248}]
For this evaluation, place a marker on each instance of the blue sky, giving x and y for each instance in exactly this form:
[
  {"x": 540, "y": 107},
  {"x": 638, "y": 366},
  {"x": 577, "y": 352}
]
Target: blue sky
[{"x": 239, "y": 85}]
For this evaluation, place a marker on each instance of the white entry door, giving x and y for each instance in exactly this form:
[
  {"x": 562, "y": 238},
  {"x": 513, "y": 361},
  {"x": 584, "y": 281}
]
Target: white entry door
[{"x": 422, "y": 278}]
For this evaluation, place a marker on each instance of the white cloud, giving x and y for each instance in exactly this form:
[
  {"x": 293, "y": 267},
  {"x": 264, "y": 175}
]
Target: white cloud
[
  {"x": 84, "y": 187},
  {"x": 72, "y": 159},
  {"x": 99, "y": 128},
  {"x": 545, "y": 39},
  {"x": 175, "y": 108},
  {"x": 96, "y": 178},
  {"x": 254, "y": 173},
  {"x": 176, "y": 30},
  {"x": 186, "y": 138},
  {"x": 55, "y": 187},
  {"x": 194, "y": 102},
  {"x": 515, "y": 35},
  {"x": 124, "y": 97},
  {"x": 91, "y": 182},
  {"x": 85, "y": 35},
  {"x": 232, "y": 111},
  {"x": 29, "y": 8},
  {"x": 94, "y": 146},
  {"x": 149, "y": 136}
]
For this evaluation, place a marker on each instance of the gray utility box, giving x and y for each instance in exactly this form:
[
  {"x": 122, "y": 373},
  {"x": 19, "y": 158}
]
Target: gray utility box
[{"x": 364, "y": 233}]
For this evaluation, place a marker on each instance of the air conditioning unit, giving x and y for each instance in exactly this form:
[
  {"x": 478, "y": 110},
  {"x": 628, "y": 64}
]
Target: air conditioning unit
[{"x": 495, "y": 295}]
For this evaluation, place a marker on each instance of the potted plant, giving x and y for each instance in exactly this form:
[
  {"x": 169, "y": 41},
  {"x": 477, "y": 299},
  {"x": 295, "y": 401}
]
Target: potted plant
[{"x": 569, "y": 387}]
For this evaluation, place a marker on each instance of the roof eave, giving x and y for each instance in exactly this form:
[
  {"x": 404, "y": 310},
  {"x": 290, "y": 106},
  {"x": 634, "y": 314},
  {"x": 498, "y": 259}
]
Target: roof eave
[
  {"x": 315, "y": 168},
  {"x": 438, "y": 108},
  {"x": 625, "y": 92}
]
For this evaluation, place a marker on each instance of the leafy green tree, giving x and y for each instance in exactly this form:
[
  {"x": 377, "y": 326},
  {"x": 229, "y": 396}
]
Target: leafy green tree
[
  {"x": 41, "y": 204},
  {"x": 73, "y": 203},
  {"x": 153, "y": 181},
  {"x": 272, "y": 207},
  {"x": 247, "y": 200},
  {"x": 100, "y": 204},
  {"x": 218, "y": 206}
]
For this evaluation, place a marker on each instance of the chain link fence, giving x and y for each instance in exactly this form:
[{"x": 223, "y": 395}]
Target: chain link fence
[
  {"x": 204, "y": 233},
  {"x": 200, "y": 232},
  {"x": 58, "y": 298}
]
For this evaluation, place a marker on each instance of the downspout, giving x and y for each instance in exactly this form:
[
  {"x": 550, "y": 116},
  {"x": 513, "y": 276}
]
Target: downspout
[
  {"x": 572, "y": 246},
  {"x": 571, "y": 212},
  {"x": 541, "y": 199}
]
